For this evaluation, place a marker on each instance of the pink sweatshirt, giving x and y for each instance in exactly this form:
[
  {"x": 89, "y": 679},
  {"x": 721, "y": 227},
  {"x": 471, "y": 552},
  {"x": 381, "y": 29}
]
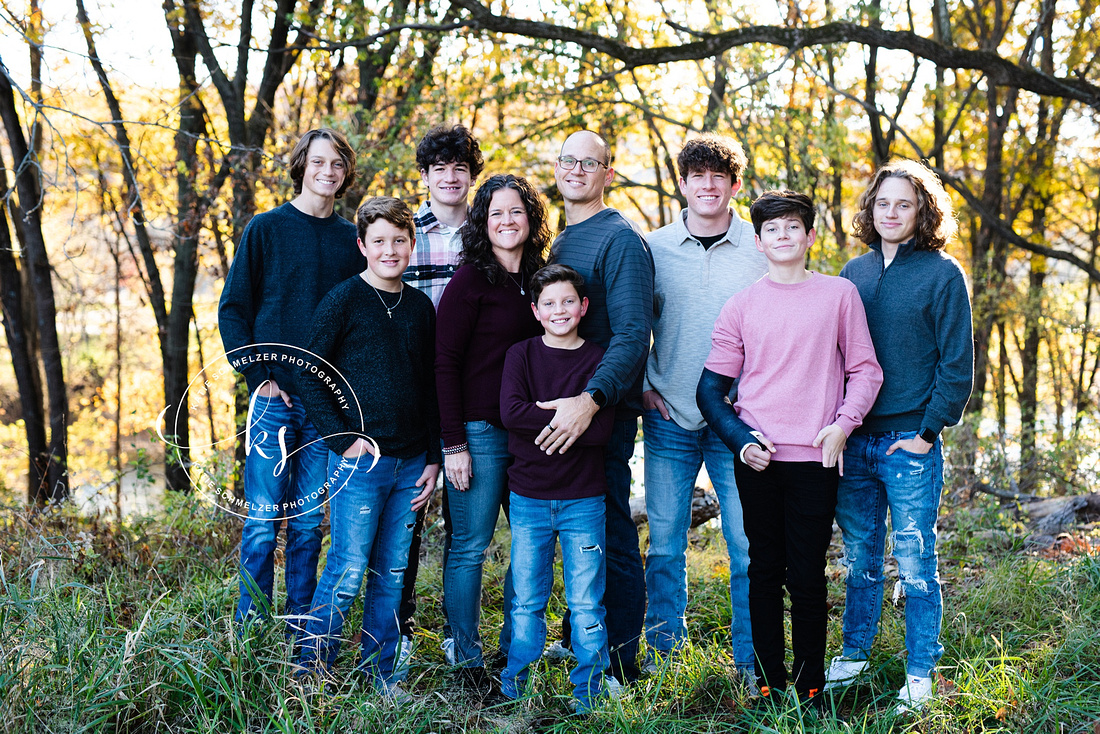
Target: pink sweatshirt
[{"x": 793, "y": 347}]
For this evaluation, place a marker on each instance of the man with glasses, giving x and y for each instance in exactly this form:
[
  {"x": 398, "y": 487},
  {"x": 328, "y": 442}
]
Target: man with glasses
[{"x": 610, "y": 253}]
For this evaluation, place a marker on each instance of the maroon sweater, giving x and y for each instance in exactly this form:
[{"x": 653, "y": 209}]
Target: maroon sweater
[
  {"x": 475, "y": 324},
  {"x": 532, "y": 372}
]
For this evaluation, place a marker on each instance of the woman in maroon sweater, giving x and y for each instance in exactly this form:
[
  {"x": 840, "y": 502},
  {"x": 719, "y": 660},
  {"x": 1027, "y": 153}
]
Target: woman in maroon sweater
[{"x": 485, "y": 309}]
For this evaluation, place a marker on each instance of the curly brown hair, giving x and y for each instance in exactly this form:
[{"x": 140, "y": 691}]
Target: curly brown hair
[
  {"x": 449, "y": 143},
  {"x": 935, "y": 215},
  {"x": 712, "y": 152},
  {"x": 476, "y": 248}
]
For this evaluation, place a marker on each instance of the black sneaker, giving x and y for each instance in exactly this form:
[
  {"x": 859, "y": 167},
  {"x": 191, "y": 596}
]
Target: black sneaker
[
  {"x": 477, "y": 682},
  {"x": 812, "y": 702},
  {"x": 497, "y": 661}
]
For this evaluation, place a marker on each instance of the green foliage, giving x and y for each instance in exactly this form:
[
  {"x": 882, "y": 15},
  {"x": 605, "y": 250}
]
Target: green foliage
[{"x": 128, "y": 629}]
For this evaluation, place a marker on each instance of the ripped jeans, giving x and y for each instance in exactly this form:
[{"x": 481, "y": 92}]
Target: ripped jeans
[
  {"x": 909, "y": 485},
  {"x": 372, "y": 525},
  {"x": 579, "y": 527}
]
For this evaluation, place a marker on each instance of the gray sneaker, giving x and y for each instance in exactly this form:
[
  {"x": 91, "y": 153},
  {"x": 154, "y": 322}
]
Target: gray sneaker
[
  {"x": 612, "y": 687},
  {"x": 843, "y": 672},
  {"x": 556, "y": 652},
  {"x": 404, "y": 651},
  {"x": 395, "y": 694},
  {"x": 748, "y": 680}
]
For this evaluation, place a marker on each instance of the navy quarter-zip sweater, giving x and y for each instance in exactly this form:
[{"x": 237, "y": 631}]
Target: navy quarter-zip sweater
[{"x": 918, "y": 312}]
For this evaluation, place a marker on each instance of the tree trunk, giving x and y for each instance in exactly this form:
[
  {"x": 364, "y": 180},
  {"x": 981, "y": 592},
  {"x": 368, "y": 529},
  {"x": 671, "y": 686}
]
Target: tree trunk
[
  {"x": 987, "y": 267},
  {"x": 189, "y": 212},
  {"x": 30, "y": 200},
  {"x": 22, "y": 358}
]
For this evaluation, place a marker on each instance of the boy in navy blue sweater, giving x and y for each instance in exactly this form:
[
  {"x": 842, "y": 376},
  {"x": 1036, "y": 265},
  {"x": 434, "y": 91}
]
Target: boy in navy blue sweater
[{"x": 287, "y": 260}]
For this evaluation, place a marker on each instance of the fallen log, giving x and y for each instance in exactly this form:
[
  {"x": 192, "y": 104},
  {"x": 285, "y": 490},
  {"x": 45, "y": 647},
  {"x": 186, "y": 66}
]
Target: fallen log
[
  {"x": 704, "y": 506},
  {"x": 1052, "y": 515}
]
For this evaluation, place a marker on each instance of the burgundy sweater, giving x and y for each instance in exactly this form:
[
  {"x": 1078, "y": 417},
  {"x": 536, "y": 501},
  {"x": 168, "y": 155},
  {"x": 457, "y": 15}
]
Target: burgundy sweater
[
  {"x": 476, "y": 324},
  {"x": 532, "y": 372}
]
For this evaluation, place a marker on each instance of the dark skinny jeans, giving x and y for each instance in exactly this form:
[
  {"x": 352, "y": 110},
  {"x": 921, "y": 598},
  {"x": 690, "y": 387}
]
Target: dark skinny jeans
[{"x": 788, "y": 510}]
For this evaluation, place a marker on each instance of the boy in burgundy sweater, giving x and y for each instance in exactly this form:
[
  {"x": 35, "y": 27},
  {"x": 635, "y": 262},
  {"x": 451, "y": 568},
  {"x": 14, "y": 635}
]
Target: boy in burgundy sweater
[
  {"x": 799, "y": 343},
  {"x": 555, "y": 495}
]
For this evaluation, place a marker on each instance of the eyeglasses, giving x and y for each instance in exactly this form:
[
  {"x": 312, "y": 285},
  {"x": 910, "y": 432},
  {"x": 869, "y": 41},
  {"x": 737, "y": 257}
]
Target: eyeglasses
[{"x": 588, "y": 165}]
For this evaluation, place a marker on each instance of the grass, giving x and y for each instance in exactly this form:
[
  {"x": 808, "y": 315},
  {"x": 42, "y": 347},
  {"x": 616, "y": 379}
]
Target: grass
[{"x": 128, "y": 629}]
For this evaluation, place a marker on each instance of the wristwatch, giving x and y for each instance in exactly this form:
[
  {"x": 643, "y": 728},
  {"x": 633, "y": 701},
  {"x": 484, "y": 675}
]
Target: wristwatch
[
  {"x": 597, "y": 397},
  {"x": 928, "y": 435}
]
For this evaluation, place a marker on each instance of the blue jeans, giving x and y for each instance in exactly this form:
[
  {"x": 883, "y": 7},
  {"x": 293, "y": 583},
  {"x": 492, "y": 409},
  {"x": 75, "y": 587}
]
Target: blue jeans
[
  {"x": 579, "y": 526},
  {"x": 673, "y": 457},
  {"x": 625, "y": 574},
  {"x": 909, "y": 485},
  {"x": 372, "y": 525},
  {"x": 284, "y": 474},
  {"x": 474, "y": 516}
]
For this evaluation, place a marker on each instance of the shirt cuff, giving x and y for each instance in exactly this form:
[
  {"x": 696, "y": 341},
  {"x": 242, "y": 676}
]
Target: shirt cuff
[{"x": 758, "y": 436}]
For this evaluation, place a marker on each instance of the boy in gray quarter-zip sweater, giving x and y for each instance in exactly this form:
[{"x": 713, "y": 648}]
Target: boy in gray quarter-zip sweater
[{"x": 918, "y": 312}]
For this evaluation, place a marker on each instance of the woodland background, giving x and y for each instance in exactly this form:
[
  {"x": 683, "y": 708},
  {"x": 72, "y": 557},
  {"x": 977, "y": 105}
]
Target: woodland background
[{"x": 137, "y": 141}]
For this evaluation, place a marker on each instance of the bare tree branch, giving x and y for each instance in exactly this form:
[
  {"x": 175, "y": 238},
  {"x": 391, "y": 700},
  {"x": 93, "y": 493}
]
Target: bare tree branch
[
  {"x": 1003, "y": 229},
  {"x": 1000, "y": 71}
]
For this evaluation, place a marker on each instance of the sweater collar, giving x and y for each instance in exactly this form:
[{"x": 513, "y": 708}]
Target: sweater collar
[{"x": 904, "y": 249}]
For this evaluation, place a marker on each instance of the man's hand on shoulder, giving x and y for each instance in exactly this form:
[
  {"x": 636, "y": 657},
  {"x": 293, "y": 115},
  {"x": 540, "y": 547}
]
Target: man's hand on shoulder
[{"x": 571, "y": 418}]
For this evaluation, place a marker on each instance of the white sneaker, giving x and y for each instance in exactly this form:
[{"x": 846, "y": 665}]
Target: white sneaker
[
  {"x": 404, "y": 651},
  {"x": 612, "y": 687},
  {"x": 748, "y": 680},
  {"x": 914, "y": 695},
  {"x": 395, "y": 694},
  {"x": 556, "y": 652},
  {"x": 843, "y": 671},
  {"x": 448, "y": 648}
]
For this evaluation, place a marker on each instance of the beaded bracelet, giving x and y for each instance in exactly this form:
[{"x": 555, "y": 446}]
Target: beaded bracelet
[{"x": 448, "y": 451}]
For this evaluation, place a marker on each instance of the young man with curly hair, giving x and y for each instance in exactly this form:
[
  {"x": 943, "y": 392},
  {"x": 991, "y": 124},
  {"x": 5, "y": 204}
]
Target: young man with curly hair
[
  {"x": 449, "y": 160},
  {"x": 705, "y": 256},
  {"x": 918, "y": 311}
]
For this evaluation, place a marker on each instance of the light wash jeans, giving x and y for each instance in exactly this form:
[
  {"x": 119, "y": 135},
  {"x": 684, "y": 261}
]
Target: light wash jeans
[
  {"x": 579, "y": 526},
  {"x": 910, "y": 485},
  {"x": 372, "y": 525},
  {"x": 473, "y": 517},
  {"x": 673, "y": 457},
  {"x": 283, "y": 476}
]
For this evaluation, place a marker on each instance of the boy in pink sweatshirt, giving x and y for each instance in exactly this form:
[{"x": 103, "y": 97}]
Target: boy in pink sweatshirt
[{"x": 798, "y": 345}]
